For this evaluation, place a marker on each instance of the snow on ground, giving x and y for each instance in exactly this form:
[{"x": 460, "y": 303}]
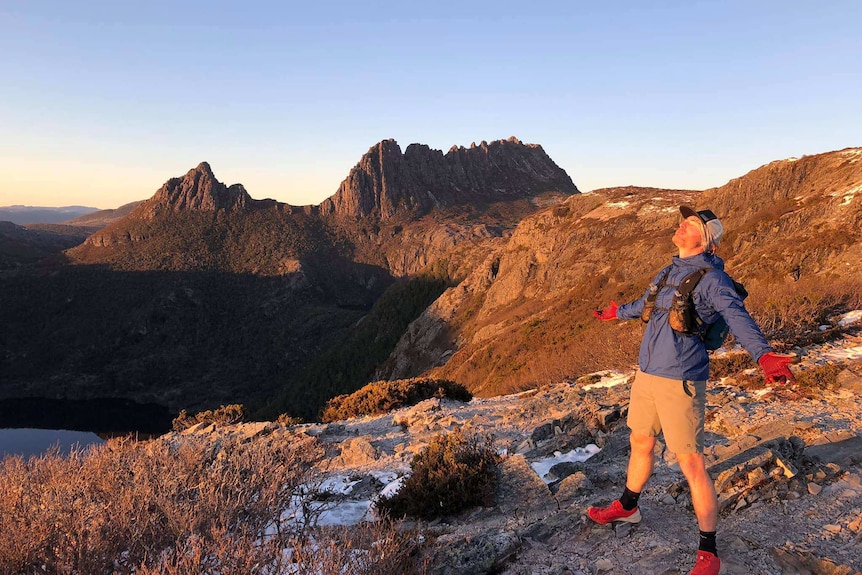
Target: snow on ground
[
  {"x": 608, "y": 379},
  {"x": 850, "y": 317},
  {"x": 843, "y": 354},
  {"x": 578, "y": 454},
  {"x": 853, "y": 153}
]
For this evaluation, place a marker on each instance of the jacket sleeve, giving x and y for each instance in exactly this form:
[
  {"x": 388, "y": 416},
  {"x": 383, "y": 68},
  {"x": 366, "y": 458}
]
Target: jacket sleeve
[
  {"x": 724, "y": 299},
  {"x": 634, "y": 309}
]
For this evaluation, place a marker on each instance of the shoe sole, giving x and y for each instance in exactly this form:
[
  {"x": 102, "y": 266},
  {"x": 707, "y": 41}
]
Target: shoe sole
[{"x": 633, "y": 518}]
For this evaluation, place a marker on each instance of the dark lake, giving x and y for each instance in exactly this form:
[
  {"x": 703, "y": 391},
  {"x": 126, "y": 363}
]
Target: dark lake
[
  {"x": 28, "y": 442},
  {"x": 31, "y": 426}
]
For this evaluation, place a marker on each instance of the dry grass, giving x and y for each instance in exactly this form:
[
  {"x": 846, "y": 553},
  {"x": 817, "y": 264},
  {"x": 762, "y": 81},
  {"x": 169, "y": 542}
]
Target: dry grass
[
  {"x": 794, "y": 311},
  {"x": 379, "y": 548},
  {"x": 190, "y": 506}
]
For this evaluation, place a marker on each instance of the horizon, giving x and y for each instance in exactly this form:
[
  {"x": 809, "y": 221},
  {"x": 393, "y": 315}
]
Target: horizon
[
  {"x": 104, "y": 103},
  {"x": 79, "y": 205}
]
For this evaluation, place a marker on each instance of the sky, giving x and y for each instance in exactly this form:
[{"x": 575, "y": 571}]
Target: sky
[{"x": 101, "y": 102}]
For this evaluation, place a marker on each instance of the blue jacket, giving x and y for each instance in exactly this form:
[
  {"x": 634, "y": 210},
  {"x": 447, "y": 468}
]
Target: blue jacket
[{"x": 666, "y": 353}]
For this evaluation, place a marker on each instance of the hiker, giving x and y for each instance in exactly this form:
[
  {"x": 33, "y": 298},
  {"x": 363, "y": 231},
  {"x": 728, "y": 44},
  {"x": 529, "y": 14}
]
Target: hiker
[{"x": 668, "y": 394}]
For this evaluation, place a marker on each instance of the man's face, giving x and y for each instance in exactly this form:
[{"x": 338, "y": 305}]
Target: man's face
[{"x": 689, "y": 234}]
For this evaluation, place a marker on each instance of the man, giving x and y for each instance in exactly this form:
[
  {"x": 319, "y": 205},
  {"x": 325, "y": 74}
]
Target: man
[{"x": 669, "y": 390}]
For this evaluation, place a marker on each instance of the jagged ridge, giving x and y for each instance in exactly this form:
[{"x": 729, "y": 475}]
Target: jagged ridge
[{"x": 386, "y": 183}]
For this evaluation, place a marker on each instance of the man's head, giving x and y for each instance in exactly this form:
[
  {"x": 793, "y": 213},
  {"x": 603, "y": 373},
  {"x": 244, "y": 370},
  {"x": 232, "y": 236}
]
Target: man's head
[{"x": 706, "y": 222}]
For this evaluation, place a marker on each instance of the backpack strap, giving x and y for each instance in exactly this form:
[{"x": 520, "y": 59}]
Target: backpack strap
[
  {"x": 687, "y": 285},
  {"x": 685, "y": 289},
  {"x": 654, "y": 289}
]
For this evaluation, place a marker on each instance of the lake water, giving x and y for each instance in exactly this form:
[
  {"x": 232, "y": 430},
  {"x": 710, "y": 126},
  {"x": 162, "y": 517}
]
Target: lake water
[{"x": 28, "y": 442}]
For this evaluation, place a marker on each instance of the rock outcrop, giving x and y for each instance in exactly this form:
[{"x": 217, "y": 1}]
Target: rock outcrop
[
  {"x": 197, "y": 190},
  {"x": 386, "y": 183}
]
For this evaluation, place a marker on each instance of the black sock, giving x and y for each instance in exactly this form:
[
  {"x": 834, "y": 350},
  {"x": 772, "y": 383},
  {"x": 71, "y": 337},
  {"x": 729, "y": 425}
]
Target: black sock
[
  {"x": 707, "y": 542},
  {"x": 629, "y": 500}
]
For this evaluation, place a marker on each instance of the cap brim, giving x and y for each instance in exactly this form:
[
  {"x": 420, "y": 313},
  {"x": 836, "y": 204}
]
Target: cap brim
[{"x": 687, "y": 212}]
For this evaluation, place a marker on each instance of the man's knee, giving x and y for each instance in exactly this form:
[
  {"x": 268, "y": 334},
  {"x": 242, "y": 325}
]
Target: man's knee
[
  {"x": 641, "y": 443},
  {"x": 692, "y": 465}
]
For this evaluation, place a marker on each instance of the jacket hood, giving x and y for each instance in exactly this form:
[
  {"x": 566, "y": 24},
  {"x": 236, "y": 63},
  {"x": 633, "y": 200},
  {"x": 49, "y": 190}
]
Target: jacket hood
[{"x": 701, "y": 260}]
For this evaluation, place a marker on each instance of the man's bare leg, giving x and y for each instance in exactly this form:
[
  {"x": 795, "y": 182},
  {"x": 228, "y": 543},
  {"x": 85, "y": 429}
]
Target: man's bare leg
[
  {"x": 702, "y": 489},
  {"x": 641, "y": 461}
]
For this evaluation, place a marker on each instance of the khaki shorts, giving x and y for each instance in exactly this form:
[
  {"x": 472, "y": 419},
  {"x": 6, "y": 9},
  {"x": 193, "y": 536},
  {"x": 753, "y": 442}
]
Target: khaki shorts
[{"x": 670, "y": 406}]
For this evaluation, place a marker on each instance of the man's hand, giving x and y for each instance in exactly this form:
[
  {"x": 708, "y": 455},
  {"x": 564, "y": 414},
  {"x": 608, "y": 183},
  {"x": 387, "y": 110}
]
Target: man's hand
[
  {"x": 775, "y": 368},
  {"x": 608, "y": 313}
]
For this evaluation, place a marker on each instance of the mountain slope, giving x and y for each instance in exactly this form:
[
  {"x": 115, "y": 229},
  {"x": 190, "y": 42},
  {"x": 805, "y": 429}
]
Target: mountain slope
[{"x": 523, "y": 317}]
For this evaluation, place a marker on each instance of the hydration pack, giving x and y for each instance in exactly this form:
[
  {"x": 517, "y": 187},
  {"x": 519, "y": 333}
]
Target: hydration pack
[{"x": 682, "y": 316}]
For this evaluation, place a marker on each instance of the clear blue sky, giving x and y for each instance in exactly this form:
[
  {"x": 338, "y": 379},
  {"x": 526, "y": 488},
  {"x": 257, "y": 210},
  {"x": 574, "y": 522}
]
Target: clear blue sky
[{"x": 102, "y": 101}]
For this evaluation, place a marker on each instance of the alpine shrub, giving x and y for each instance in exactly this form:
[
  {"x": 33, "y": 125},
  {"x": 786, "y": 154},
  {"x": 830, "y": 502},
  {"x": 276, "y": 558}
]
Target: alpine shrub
[
  {"x": 455, "y": 472},
  {"x": 384, "y": 396},
  {"x": 224, "y": 415}
]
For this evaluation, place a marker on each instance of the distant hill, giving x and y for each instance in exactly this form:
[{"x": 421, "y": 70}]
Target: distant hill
[
  {"x": 102, "y": 218},
  {"x": 37, "y": 215},
  {"x": 21, "y": 246}
]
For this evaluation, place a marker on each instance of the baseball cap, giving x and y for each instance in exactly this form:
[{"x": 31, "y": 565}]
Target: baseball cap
[{"x": 712, "y": 228}]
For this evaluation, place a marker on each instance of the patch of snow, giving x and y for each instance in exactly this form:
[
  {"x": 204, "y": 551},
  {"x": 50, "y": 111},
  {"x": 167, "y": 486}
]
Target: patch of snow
[
  {"x": 543, "y": 466},
  {"x": 346, "y": 513},
  {"x": 850, "y": 318},
  {"x": 620, "y": 204},
  {"x": 385, "y": 477},
  {"x": 843, "y": 354},
  {"x": 392, "y": 487},
  {"x": 608, "y": 379},
  {"x": 724, "y": 350},
  {"x": 848, "y": 194},
  {"x": 853, "y": 154},
  {"x": 340, "y": 484}
]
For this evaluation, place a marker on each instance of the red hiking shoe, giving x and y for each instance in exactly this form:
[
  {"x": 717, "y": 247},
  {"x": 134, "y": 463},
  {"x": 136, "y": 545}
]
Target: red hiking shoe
[
  {"x": 706, "y": 564},
  {"x": 614, "y": 512}
]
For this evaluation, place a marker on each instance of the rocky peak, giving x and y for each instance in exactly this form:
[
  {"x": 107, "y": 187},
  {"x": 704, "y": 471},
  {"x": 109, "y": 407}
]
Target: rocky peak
[
  {"x": 386, "y": 182},
  {"x": 197, "y": 190}
]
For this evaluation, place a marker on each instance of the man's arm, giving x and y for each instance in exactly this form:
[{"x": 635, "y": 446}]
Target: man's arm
[{"x": 725, "y": 300}]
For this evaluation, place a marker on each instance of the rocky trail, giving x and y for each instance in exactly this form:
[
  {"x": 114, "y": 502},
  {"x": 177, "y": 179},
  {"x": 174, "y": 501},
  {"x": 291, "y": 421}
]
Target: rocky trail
[{"x": 786, "y": 465}]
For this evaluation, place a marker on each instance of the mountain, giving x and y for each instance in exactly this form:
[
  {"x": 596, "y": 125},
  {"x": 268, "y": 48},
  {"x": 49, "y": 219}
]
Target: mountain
[
  {"x": 202, "y": 295},
  {"x": 38, "y": 215},
  {"x": 386, "y": 183}
]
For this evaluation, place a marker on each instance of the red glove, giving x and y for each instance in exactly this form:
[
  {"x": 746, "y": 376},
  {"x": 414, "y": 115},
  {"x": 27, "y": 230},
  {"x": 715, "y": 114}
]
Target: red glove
[
  {"x": 608, "y": 313},
  {"x": 775, "y": 368}
]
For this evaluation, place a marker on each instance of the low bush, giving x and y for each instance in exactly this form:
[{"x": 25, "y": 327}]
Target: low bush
[
  {"x": 384, "y": 396},
  {"x": 224, "y": 415},
  {"x": 815, "y": 380},
  {"x": 729, "y": 364},
  {"x": 455, "y": 472}
]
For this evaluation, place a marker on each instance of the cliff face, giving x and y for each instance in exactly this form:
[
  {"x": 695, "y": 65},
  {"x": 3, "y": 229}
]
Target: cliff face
[{"x": 386, "y": 183}]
